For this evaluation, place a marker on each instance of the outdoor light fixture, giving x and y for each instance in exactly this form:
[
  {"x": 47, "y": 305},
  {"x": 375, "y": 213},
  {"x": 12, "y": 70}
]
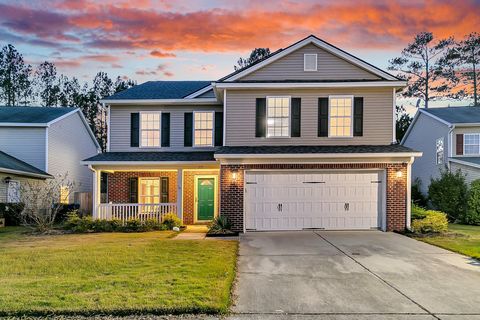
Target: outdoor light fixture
[
  {"x": 399, "y": 174},
  {"x": 234, "y": 176},
  {"x": 7, "y": 180}
]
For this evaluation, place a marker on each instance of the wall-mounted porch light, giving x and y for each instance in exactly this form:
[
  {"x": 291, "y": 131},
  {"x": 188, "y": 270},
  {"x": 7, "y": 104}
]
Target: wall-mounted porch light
[
  {"x": 399, "y": 174},
  {"x": 234, "y": 176}
]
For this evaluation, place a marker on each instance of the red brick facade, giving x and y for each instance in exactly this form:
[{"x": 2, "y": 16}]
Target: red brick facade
[
  {"x": 189, "y": 193},
  {"x": 231, "y": 202}
]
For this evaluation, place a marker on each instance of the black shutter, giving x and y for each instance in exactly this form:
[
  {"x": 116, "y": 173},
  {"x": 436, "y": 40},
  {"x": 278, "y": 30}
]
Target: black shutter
[
  {"x": 164, "y": 190},
  {"x": 188, "y": 129},
  {"x": 261, "y": 118},
  {"x": 133, "y": 190},
  {"x": 358, "y": 116},
  {"x": 218, "y": 128},
  {"x": 134, "y": 129},
  {"x": 165, "y": 129},
  {"x": 295, "y": 117},
  {"x": 323, "y": 117},
  {"x": 459, "y": 145}
]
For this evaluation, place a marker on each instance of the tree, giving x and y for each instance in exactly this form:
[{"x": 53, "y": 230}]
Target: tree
[
  {"x": 465, "y": 58},
  {"x": 47, "y": 84},
  {"x": 15, "y": 84},
  {"x": 70, "y": 91},
  {"x": 123, "y": 84},
  {"x": 255, "y": 55},
  {"x": 421, "y": 66},
  {"x": 402, "y": 123}
]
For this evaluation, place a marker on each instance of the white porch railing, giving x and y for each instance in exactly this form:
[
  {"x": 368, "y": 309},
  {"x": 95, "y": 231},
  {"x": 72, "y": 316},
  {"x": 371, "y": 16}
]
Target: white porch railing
[{"x": 129, "y": 211}]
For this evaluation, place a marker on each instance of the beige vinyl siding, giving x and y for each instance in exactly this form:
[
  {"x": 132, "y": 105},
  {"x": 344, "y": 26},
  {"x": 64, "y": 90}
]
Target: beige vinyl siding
[
  {"x": 120, "y": 126},
  {"x": 26, "y": 144},
  {"x": 462, "y": 130},
  {"x": 471, "y": 173},
  {"x": 69, "y": 143},
  {"x": 3, "y": 186},
  {"x": 329, "y": 67},
  {"x": 377, "y": 128}
]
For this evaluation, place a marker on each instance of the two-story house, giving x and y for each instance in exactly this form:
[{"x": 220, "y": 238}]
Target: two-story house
[
  {"x": 301, "y": 139},
  {"x": 42, "y": 143},
  {"x": 449, "y": 139}
]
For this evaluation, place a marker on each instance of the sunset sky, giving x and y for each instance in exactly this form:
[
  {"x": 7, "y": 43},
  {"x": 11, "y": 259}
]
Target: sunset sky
[{"x": 182, "y": 39}]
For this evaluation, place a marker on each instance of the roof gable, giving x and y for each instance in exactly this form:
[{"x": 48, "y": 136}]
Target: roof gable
[{"x": 237, "y": 75}]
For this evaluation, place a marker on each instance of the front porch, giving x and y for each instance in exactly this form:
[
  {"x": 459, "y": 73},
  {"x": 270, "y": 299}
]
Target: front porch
[{"x": 124, "y": 193}]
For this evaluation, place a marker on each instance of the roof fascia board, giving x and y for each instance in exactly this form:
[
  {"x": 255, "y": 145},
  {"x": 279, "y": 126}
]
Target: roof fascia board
[
  {"x": 199, "y": 101},
  {"x": 435, "y": 117},
  {"x": 62, "y": 117},
  {"x": 303, "y": 85},
  {"x": 466, "y": 163},
  {"x": 327, "y": 47},
  {"x": 410, "y": 127},
  {"x": 22, "y": 124},
  {"x": 25, "y": 173},
  {"x": 199, "y": 92},
  {"x": 146, "y": 162},
  {"x": 474, "y": 124},
  {"x": 89, "y": 130},
  {"x": 317, "y": 155}
]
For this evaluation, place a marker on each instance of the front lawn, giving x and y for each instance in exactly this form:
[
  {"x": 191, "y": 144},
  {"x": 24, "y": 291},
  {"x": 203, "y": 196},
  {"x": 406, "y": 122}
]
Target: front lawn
[
  {"x": 460, "y": 238},
  {"x": 113, "y": 273}
]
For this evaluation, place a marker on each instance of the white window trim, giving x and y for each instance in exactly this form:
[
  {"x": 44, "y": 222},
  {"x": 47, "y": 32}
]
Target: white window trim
[
  {"x": 289, "y": 117},
  {"x": 159, "y": 130},
  {"x": 213, "y": 129},
  {"x": 8, "y": 200},
  {"x": 140, "y": 179},
  {"x": 330, "y": 114},
  {"x": 305, "y": 60},
  {"x": 436, "y": 151},
  {"x": 465, "y": 144}
]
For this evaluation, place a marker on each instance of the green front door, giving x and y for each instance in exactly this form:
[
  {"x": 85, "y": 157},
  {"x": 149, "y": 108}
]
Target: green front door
[{"x": 206, "y": 198}]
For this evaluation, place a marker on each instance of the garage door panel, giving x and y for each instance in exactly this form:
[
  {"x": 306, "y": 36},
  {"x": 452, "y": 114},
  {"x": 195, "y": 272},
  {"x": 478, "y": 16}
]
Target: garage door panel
[{"x": 316, "y": 200}]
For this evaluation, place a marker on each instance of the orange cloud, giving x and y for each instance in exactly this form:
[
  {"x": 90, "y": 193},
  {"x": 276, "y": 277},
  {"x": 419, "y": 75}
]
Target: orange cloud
[{"x": 159, "y": 54}]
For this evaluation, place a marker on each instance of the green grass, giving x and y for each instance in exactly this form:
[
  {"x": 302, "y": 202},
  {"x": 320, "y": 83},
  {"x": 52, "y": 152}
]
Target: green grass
[
  {"x": 460, "y": 238},
  {"x": 113, "y": 273}
]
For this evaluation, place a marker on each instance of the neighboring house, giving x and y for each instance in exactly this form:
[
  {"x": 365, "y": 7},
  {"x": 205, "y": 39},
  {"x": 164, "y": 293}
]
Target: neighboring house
[
  {"x": 301, "y": 139},
  {"x": 42, "y": 143},
  {"x": 449, "y": 138}
]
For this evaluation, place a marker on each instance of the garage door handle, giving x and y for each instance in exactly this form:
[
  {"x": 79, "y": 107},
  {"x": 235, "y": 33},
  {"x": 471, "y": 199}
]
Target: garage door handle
[
  {"x": 347, "y": 206},
  {"x": 278, "y": 207}
]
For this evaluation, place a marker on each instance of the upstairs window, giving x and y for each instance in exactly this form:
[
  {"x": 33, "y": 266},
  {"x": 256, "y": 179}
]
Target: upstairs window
[
  {"x": 439, "y": 151},
  {"x": 310, "y": 62},
  {"x": 150, "y": 129},
  {"x": 203, "y": 129},
  {"x": 278, "y": 117},
  {"x": 340, "y": 116},
  {"x": 471, "y": 144}
]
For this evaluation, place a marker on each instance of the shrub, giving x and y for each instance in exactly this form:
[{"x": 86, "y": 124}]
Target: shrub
[
  {"x": 417, "y": 196},
  {"x": 79, "y": 224},
  {"x": 433, "y": 222},
  {"x": 171, "y": 220},
  {"x": 448, "y": 194},
  {"x": 220, "y": 225},
  {"x": 472, "y": 216},
  {"x": 418, "y": 212},
  {"x": 11, "y": 213}
]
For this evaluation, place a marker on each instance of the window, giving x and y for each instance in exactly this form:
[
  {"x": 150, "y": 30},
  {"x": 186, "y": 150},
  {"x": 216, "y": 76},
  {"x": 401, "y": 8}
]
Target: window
[
  {"x": 64, "y": 194},
  {"x": 278, "y": 117},
  {"x": 150, "y": 129},
  {"x": 439, "y": 151},
  {"x": 13, "y": 191},
  {"x": 149, "y": 190},
  {"x": 203, "y": 129},
  {"x": 340, "y": 116},
  {"x": 471, "y": 144},
  {"x": 310, "y": 62}
]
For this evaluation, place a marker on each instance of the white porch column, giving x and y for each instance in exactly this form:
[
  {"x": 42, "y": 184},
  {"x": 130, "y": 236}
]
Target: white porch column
[
  {"x": 96, "y": 193},
  {"x": 180, "y": 193},
  {"x": 409, "y": 192}
]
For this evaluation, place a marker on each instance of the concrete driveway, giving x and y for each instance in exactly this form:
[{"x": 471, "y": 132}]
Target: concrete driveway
[{"x": 352, "y": 275}]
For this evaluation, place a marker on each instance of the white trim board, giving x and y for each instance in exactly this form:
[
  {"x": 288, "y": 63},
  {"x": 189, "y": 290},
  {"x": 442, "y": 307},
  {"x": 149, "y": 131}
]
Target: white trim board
[
  {"x": 465, "y": 163},
  {"x": 199, "y": 92},
  {"x": 308, "y": 85},
  {"x": 318, "y": 155},
  {"x": 323, "y": 45},
  {"x": 198, "y": 101},
  {"x": 25, "y": 174}
]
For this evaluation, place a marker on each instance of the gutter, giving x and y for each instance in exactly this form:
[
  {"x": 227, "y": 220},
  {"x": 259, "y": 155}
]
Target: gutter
[
  {"x": 26, "y": 174},
  {"x": 316, "y": 155}
]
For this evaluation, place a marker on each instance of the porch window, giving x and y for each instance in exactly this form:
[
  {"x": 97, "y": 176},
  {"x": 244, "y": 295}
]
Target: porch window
[
  {"x": 340, "y": 122},
  {"x": 153, "y": 190},
  {"x": 278, "y": 117},
  {"x": 471, "y": 144},
  {"x": 150, "y": 129},
  {"x": 203, "y": 129}
]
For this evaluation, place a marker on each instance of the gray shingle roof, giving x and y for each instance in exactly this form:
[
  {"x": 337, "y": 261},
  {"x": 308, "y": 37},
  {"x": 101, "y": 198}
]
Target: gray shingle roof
[
  {"x": 31, "y": 114},
  {"x": 160, "y": 90},
  {"x": 12, "y": 164},
  {"x": 154, "y": 156},
  {"x": 456, "y": 114},
  {"x": 394, "y": 148}
]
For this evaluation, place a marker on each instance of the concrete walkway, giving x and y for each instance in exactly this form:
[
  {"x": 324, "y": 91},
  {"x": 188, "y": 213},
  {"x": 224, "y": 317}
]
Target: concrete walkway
[{"x": 352, "y": 275}]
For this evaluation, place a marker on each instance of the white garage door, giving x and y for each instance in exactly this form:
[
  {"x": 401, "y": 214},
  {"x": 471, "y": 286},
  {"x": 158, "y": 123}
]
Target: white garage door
[{"x": 324, "y": 200}]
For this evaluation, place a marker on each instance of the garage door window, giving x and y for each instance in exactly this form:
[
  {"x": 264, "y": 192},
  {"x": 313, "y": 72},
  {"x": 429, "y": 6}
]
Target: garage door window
[
  {"x": 340, "y": 122},
  {"x": 278, "y": 117}
]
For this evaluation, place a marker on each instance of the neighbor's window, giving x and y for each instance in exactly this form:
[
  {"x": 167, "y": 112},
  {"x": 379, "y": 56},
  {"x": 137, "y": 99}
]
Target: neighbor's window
[
  {"x": 340, "y": 116},
  {"x": 203, "y": 125},
  {"x": 439, "y": 151},
  {"x": 278, "y": 116},
  {"x": 471, "y": 144},
  {"x": 64, "y": 193},
  {"x": 150, "y": 129},
  {"x": 149, "y": 190}
]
